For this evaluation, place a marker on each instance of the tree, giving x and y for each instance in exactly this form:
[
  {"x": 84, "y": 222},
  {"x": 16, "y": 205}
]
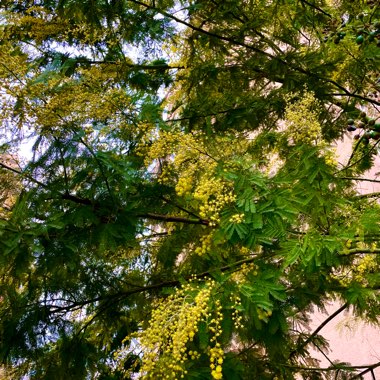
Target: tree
[{"x": 183, "y": 210}]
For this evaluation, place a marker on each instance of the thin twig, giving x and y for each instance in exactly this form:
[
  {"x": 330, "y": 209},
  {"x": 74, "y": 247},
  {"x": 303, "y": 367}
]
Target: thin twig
[
  {"x": 369, "y": 195},
  {"x": 22, "y": 174},
  {"x": 316, "y": 8},
  {"x": 368, "y": 368},
  {"x": 360, "y": 179}
]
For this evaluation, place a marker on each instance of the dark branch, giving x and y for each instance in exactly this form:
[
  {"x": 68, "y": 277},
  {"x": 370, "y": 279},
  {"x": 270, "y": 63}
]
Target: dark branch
[
  {"x": 178, "y": 219},
  {"x": 319, "y": 328},
  {"x": 360, "y": 179},
  {"x": 117, "y": 297},
  {"x": 169, "y": 201},
  {"x": 133, "y": 66},
  {"x": 369, "y": 195},
  {"x": 22, "y": 174},
  {"x": 351, "y": 94},
  {"x": 361, "y": 158},
  {"x": 370, "y": 368},
  {"x": 316, "y": 8},
  {"x": 88, "y": 202},
  {"x": 206, "y": 32},
  {"x": 206, "y": 115},
  {"x": 65, "y": 196},
  {"x": 362, "y": 251},
  {"x": 75, "y": 199}
]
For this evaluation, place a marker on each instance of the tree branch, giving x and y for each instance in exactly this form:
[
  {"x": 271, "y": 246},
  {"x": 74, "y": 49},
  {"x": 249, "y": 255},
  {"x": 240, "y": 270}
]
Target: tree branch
[
  {"x": 206, "y": 115},
  {"x": 351, "y": 94},
  {"x": 319, "y": 328},
  {"x": 204, "y": 31},
  {"x": 360, "y": 179},
  {"x": 100, "y": 165},
  {"x": 22, "y": 174},
  {"x": 337, "y": 367},
  {"x": 65, "y": 196},
  {"x": 359, "y": 251},
  {"x": 75, "y": 199},
  {"x": 88, "y": 202},
  {"x": 133, "y": 66},
  {"x": 257, "y": 50},
  {"x": 316, "y": 8},
  {"x": 169, "y": 201},
  {"x": 361, "y": 158},
  {"x": 168, "y": 218},
  {"x": 370, "y": 368},
  {"x": 117, "y": 297},
  {"x": 369, "y": 195}
]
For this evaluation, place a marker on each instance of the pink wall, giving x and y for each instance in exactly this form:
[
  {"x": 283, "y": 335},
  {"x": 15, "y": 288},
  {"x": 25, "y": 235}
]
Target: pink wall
[{"x": 351, "y": 340}]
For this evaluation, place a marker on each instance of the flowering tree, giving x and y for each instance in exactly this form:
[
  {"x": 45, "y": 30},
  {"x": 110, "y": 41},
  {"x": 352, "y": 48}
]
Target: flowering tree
[{"x": 183, "y": 209}]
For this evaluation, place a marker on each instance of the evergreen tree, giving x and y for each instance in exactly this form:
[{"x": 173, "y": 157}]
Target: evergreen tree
[{"x": 184, "y": 209}]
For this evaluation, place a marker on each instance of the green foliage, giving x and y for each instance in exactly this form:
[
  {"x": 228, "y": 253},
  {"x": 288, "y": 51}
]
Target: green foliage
[{"x": 182, "y": 209}]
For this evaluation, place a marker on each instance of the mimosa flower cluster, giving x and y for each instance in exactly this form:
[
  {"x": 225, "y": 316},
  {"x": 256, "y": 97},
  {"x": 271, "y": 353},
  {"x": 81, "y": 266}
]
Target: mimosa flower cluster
[
  {"x": 216, "y": 352},
  {"x": 301, "y": 119},
  {"x": 173, "y": 325}
]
